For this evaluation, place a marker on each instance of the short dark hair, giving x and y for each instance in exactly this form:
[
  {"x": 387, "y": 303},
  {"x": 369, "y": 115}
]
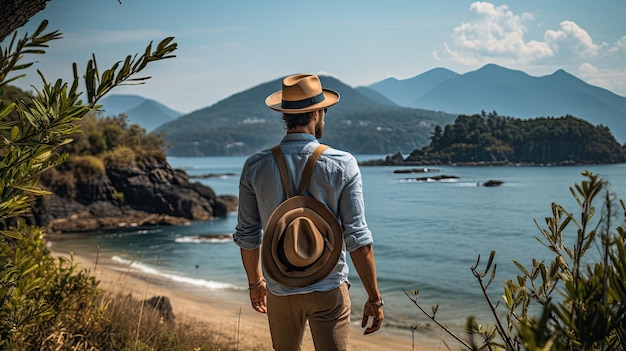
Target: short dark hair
[{"x": 294, "y": 120}]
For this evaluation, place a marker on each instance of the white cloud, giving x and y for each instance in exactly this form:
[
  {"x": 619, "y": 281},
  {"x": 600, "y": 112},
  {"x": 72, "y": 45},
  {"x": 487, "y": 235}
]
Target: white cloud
[
  {"x": 619, "y": 46},
  {"x": 464, "y": 58},
  {"x": 494, "y": 33},
  {"x": 435, "y": 55},
  {"x": 610, "y": 79},
  {"x": 587, "y": 69},
  {"x": 571, "y": 41}
]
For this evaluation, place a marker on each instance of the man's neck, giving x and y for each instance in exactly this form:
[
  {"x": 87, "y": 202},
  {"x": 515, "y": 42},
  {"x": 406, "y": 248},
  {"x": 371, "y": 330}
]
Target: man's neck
[{"x": 308, "y": 129}]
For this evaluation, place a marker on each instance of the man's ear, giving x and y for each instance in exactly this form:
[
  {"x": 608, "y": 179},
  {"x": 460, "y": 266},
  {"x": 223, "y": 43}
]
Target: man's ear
[{"x": 315, "y": 115}]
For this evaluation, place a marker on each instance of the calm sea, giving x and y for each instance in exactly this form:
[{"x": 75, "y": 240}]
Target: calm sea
[{"x": 427, "y": 234}]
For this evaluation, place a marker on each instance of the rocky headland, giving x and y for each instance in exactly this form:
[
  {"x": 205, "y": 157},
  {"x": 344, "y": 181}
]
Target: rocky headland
[{"x": 144, "y": 192}]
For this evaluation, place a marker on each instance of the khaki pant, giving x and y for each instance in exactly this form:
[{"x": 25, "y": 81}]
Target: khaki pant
[{"x": 328, "y": 314}]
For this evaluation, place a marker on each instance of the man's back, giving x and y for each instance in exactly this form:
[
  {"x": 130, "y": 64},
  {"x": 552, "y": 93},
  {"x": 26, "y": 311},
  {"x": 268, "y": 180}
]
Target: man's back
[{"x": 335, "y": 182}]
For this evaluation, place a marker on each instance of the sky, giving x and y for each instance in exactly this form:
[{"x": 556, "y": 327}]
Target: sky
[{"x": 228, "y": 46}]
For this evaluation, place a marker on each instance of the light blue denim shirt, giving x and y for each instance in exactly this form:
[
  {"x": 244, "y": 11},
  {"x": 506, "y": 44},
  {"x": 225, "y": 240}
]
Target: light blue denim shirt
[{"x": 336, "y": 181}]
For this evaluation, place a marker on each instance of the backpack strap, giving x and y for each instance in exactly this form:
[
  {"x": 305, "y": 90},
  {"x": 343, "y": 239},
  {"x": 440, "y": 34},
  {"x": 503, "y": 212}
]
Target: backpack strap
[
  {"x": 310, "y": 164},
  {"x": 282, "y": 167},
  {"x": 308, "y": 170}
]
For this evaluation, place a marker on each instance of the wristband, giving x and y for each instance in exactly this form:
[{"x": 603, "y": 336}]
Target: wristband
[
  {"x": 378, "y": 303},
  {"x": 258, "y": 284}
]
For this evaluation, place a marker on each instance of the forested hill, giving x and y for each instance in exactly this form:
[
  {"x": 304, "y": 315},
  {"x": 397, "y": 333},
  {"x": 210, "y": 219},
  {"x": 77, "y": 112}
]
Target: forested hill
[
  {"x": 241, "y": 124},
  {"x": 493, "y": 139}
]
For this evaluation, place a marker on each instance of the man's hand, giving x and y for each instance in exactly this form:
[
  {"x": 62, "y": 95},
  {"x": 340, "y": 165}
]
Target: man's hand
[
  {"x": 377, "y": 314},
  {"x": 258, "y": 296}
]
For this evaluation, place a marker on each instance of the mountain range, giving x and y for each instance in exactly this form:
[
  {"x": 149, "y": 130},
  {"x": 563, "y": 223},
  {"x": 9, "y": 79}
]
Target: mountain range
[
  {"x": 147, "y": 113},
  {"x": 360, "y": 123},
  {"x": 509, "y": 93},
  {"x": 391, "y": 115},
  {"x": 405, "y": 92}
]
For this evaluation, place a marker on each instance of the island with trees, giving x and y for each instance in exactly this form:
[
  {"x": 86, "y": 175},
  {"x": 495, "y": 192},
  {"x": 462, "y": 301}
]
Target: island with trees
[{"x": 490, "y": 139}]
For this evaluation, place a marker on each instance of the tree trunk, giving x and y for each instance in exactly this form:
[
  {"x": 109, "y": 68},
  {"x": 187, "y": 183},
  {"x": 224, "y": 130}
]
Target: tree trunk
[{"x": 15, "y": 13}]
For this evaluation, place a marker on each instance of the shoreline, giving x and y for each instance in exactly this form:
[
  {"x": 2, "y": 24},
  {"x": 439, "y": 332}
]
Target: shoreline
[{"x": 227, "y": 312}]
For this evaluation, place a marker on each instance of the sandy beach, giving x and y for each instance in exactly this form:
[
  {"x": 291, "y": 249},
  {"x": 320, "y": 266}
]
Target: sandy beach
[{"x": 229, "y": 314}]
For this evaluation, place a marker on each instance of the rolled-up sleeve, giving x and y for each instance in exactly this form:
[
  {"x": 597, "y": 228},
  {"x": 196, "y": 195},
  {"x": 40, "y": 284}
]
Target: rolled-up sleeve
[
  {"x": 249, "y": 231},
  {"x": 352, "y": 211}
]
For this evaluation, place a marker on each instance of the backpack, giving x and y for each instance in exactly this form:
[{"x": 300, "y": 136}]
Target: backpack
[{"x": 302, "y": 239}]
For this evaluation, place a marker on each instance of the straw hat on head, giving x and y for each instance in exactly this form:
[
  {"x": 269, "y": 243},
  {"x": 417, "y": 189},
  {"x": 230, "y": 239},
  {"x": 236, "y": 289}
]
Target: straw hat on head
[
  {"x": 301, "y": 93},
  {"x": 302, "y": 242}
]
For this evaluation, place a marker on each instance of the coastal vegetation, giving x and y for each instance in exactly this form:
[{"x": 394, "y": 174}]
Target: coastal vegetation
[
  {"x": 48, "y": 303},
  {"x": 577, "y": 301},
  {"x": 116, "y": 174},
  {"x": 489, "y": 138},
  {"x": 96, "y": 141},
  {"x": 101, "y": 143}
]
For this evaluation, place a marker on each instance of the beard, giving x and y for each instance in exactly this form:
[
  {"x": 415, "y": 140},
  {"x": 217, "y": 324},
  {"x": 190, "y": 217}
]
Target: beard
[{"x": 319, "y": 130}]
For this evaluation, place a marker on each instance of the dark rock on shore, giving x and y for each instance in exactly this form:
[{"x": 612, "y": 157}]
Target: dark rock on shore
[
  {"x": 492, "y": 182},
  {"x": 419, "y": 158},
  {"x": 433, "y": 179},
  {"x": 146, "y": 192},
  {"x": 416, "y": 170}
]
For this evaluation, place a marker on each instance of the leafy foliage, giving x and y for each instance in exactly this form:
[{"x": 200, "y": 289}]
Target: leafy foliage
[
  {"x": 581, "y": 297},
  {"x": 51, "y": 304},
  {"x": 493, "y": 138},
  {"x": 47, "y": 303},
  {"x": 41, "y": 295},
  {"x": 30, "y": 145},
  {"x": 101, "y": 136}
]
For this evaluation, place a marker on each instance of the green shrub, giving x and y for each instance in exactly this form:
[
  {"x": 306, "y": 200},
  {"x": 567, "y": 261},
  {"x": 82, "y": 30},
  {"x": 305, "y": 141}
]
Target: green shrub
[
  {"x": 52, "y": 304},
  {"x": 87, "y": 165},
  {"x": 120, "y": 156},
  {"x": 581, "y": 299},
  {"x": 118, "y": 196},
  {"x": 45, "y": 296},
  {"x": 45, "y": 303},
  {"x": 63, "y": 182}
]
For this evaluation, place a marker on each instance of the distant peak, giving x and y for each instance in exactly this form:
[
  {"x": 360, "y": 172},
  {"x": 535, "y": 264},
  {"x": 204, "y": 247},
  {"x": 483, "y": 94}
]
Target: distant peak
[
  {"x": 491, "y": 66},
  {"x": 390, "y": 79},
  {"x": 560, "y": 71}
]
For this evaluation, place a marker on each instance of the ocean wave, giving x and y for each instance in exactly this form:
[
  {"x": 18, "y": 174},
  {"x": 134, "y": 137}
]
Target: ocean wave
[
  {"x": 128, "y": 231},
  {"x": 470, "y": 185},
  {"x": 209, "y": 238},
  {"x": 148, "y": 231},
  {"x": 428, "y": 180},
  {"x": 210, "y": 284}
]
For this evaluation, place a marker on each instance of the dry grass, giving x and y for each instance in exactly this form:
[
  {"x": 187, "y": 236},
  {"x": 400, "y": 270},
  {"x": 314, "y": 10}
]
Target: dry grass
[
  {"x": 141, "y": 326},
  {"x": 53, "y": 304}
]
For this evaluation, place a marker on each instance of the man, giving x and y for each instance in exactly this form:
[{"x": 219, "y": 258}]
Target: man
[{"x": 291, "y": 296}]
